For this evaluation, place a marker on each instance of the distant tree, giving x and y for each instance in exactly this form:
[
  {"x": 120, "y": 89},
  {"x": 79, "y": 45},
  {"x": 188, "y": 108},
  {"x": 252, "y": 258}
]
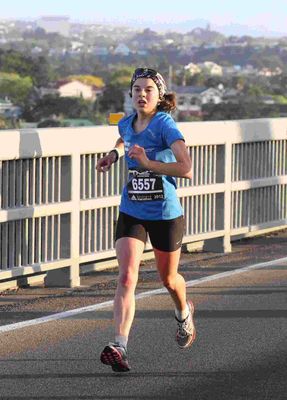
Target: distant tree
[
  {"x": 213, "y": 81},
  {"x": 38, "y": 68},
  {"x": 279, "y": 84},
  {"x": 196, "y": 80},
  {"x": 49, "y": 123},
  {"x": 53, "y": 106},
  {"x": 100, "y": 118},
  {"x": 3, "y": 123},
  {"x": 9, "y": 123},
  {"x": 12, "y": 61},
  {"x": 264, "y": 60},
  {"x": 254, "y": 91},
  {"x": 121, "y": 77},
  {"x": 16, "y": 88},
  {"x": 41, "y": 37},
  {"x": 180, "y": 77},
  {"x": 37, "y": 34},
  {"x": 240, "y": 110},
  {"x": 112, "y": 99},
  {"x": 280, "y": 99},
  {"x": 164, "y": 65},
  {"x": 42, "y": 72},
  {"x": 66, "y": 66},
  {"x": 238, "y": 82}
]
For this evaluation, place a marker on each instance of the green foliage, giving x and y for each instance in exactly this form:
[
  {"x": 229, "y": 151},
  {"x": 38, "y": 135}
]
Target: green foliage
[
  {"x": 266, "y": 60},
  {"x": 3, "y": 123},
  {"x": 8, "y": 124},
  {"x": 54, "y": 106},
  {"x": 238, "y": 82},
  {"x": 112, "y": 100},
  {"x": 101, "y": 118},
  {"x": 25, "y": 71},
  {"x": 45, "y": 40},
  {"x": 255, "y": 91},
  {"x": 280, "y": 99},
  {"x": 196, "y": 80},
  {"x": 39, "y": 69},
  {"x": 16, "y": 88},
  {"x": 241, "y": 110},
  {"x": 121, "y": 77},
  {"x": 183, "y": 117},
  {"x": 49, "y": 123},
  {"x": 279, "y": 84}
]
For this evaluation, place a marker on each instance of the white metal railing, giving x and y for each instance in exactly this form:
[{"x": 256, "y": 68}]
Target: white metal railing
[{"x": 58, "y": 212}]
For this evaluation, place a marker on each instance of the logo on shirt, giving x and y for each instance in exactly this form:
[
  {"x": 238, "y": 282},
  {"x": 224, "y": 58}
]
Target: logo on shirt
[{"x": 127, "y": 146}]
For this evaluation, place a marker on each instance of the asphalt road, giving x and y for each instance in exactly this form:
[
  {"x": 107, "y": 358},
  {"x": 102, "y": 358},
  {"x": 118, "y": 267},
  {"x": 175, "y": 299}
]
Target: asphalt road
[{"x": 239, "y": 353}]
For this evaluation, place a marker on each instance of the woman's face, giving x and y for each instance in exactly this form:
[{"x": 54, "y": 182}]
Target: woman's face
[{"x": 145, "y": 96}]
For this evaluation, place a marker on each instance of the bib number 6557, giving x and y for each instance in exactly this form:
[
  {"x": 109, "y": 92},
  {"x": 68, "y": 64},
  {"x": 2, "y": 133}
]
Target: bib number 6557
[{"x": 143, "y": 184}]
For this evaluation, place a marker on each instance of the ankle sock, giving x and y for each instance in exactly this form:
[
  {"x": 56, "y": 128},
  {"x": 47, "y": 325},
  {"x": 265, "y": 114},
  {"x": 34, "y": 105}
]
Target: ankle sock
[
  {"x": 182, "y": 314},
  {"x": 122, "y": 340}
]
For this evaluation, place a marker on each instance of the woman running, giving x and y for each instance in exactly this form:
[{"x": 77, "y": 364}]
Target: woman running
[{"x": 155, "y": 153}]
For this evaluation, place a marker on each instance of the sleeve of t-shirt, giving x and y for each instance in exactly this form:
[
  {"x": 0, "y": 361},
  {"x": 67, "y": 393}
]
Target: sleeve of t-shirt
[
  {"x": 170, "y": 131},
  {"x": 120, "y": 129}
]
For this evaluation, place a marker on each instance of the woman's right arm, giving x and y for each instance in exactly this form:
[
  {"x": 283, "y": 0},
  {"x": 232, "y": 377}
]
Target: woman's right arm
[{"x": 104, "y": 163}]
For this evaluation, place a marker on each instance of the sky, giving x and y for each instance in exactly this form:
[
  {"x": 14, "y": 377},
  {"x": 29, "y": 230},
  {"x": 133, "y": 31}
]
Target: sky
[{"x": 250, "y": 15}]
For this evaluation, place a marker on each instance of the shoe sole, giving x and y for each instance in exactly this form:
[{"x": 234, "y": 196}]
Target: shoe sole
[
  {"x": 111, "y": 356},
  {"x": 193, "y": 337}
]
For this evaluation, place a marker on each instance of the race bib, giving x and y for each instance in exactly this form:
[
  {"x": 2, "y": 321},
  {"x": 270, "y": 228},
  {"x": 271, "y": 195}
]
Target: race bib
[{"x": 145, "y": 186}]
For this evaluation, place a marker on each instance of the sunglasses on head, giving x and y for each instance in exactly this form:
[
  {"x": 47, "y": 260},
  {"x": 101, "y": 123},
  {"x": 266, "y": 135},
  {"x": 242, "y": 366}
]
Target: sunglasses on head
[{"x": 142, "y": 71}]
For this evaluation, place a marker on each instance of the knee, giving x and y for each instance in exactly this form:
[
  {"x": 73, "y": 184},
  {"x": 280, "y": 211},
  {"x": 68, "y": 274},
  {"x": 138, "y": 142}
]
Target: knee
[
  {"x": 128, "y": 280},
  {"x": 169, "y": 282}
]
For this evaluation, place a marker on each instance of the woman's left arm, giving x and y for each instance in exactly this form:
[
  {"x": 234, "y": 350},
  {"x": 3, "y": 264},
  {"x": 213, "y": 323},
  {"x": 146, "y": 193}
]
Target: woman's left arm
[{"x": 181, "y": 168}]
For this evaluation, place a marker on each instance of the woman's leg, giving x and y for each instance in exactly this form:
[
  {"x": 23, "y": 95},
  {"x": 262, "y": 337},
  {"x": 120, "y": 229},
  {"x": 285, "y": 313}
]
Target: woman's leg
[
  {"x": 129, "y": 251},
  {"x": 167, "y": 265}
]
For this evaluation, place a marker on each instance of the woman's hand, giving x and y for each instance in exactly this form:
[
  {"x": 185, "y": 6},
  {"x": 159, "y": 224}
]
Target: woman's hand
[
  {"x": 104, "y": 163},
  {"x": 138, "y": 153}
]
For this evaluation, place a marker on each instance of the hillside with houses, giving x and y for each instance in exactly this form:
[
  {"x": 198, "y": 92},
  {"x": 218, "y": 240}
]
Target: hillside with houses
[{"x": 53, "y": 71}]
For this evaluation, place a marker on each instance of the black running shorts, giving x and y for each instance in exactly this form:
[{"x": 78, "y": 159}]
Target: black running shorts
[{"x": 165, "y": 235}]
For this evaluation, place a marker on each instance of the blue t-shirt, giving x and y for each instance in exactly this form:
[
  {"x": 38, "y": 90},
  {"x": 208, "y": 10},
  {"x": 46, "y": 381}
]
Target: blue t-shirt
[{"x": 156, "y": 139}]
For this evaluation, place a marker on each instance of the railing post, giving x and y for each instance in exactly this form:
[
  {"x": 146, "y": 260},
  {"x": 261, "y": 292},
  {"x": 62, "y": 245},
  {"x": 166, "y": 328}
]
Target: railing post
[
  {"x": 227, "y": 197},
  {"x": 70, "y": 230},
  {"x": 223, "y": 202},
  {"x": 75, "y": 220}
]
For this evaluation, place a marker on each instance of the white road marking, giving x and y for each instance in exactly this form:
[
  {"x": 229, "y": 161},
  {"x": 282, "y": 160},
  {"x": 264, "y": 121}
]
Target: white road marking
[{"x": 100, "y": 306}]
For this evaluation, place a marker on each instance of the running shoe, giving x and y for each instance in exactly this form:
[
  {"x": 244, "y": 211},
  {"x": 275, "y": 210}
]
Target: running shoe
[
  {"x": 115, "y": 356},
  {"x": 186, "y": 333}
]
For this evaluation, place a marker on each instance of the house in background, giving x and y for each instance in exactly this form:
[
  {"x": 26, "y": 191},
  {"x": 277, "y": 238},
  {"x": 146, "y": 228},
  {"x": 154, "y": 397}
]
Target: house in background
[
  {"x": 122, "y": 50},
  {"x": 270, "y": 72},
  {"x": 72, "y": 88},
  {"x": 231, "y": 96},
  {"x": 191, "y": 98},
  {"x": 192, "y": 68},
  {"x": 55, "y": 24},
  {"x": 99, "y": 51},
  {"x": 211, "y": 68},
  {"x": 76, "y": 88}
]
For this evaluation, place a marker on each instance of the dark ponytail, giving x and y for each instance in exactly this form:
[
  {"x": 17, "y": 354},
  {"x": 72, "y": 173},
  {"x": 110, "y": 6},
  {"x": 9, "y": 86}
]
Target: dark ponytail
[{"x": 168, "y": 103}]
